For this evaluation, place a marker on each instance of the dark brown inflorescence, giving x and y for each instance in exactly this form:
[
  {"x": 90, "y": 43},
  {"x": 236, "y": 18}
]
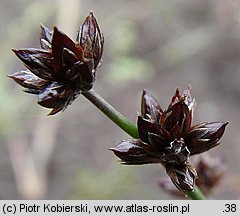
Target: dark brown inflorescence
[
  {"x": 62, "y": 68},
  {"x": 167, "y": 137}
]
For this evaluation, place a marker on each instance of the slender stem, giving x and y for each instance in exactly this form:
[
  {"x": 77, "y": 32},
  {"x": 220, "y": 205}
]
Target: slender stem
[
  {"x": 197, "y": 194},
  {"x": 112, "y": 113},
  {"x": 127, "y": 126}
]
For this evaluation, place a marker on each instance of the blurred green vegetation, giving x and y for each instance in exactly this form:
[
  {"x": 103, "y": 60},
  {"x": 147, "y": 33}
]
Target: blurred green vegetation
[{"x": 125, "y": 70}]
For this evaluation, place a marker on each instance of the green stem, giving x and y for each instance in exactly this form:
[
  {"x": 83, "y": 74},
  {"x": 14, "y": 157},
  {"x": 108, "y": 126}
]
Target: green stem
[
  {"x": 197, "y": 194},
  {"x": 127, "y": 126},
  {"x": 112, "y": 113}
]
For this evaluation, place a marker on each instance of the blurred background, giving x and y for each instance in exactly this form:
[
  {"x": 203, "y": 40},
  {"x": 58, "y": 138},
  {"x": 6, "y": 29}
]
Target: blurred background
[{"x": 153, "y": 45}]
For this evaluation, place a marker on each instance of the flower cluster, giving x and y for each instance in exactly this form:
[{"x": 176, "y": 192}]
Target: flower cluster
[
  {"x": 62, "y": 68},
  {"x": 168, "y": 137}
]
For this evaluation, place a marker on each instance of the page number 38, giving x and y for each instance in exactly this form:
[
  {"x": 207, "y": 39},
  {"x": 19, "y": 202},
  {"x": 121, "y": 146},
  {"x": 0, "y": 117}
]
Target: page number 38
[{"x": 230, "y": 208}]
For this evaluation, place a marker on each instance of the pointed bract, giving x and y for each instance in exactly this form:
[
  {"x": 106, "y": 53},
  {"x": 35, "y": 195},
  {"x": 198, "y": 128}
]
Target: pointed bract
[
  {"x": 59, "y": 42},
  {"x": 205, "y": 136},
  {"x": 28, "y": 80},
  {"x": 37, "y": 61},
  {"x": 46, "y": 37},
  {"x": 150, "y": 107},
  {"x": 132, "y": 152},
  {"x": 49, "y": 96},
  {"x": 182, "y": 176},
  {"x": 91, "y": 39}
]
